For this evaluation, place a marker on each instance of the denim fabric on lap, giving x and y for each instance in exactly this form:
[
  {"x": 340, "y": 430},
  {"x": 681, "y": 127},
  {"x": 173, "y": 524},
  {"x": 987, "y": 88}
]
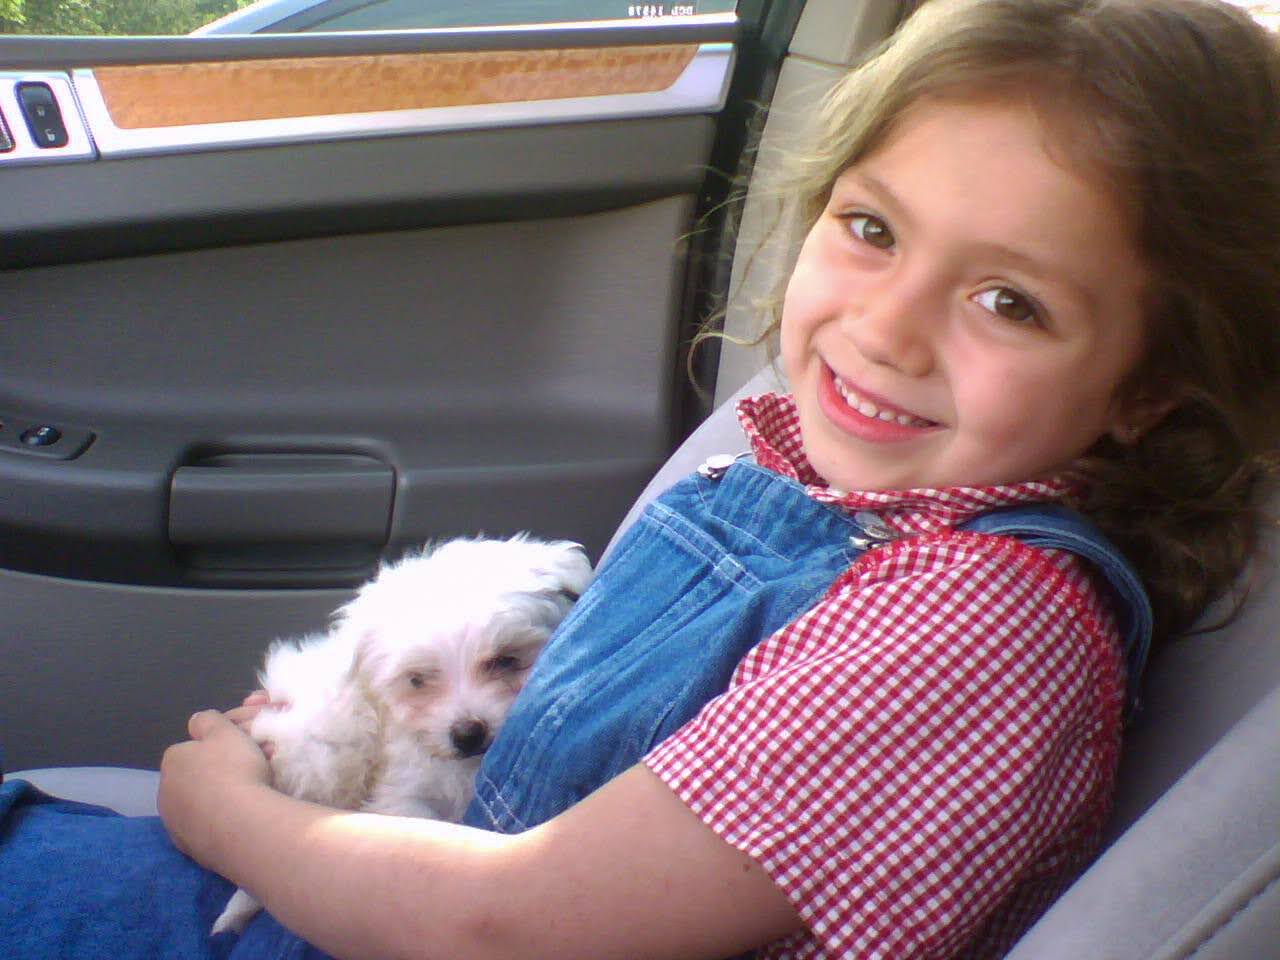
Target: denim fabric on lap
[{"x": 83, "y": 882}]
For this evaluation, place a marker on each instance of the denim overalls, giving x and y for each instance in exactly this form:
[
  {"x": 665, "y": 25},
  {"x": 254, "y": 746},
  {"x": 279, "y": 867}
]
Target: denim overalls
[{"x": 720, "y": 562}]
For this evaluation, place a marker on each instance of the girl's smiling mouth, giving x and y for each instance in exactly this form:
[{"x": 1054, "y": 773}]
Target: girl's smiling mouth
[{"x": 865, "y": 415}]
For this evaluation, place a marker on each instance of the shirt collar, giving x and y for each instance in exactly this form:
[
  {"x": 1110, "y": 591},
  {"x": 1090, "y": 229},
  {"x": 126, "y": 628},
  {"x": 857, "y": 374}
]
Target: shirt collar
[{"x": 772, "y": 425}]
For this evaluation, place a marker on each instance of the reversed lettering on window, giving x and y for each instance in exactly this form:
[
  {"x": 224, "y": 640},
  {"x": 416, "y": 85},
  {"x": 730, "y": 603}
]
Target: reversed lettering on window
[{"x": 661, "y": 9}]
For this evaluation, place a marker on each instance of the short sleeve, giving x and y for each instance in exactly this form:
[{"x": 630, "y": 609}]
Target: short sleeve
[{"x": 936, "y": 735}]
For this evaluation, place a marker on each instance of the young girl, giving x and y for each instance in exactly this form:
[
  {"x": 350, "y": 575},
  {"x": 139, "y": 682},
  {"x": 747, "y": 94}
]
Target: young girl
[{"x": 861, "y": 695}]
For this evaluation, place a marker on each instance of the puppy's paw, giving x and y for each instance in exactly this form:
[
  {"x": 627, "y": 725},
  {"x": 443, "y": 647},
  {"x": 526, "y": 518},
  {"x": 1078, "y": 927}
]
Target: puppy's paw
[{"x": 240, "y": 909}]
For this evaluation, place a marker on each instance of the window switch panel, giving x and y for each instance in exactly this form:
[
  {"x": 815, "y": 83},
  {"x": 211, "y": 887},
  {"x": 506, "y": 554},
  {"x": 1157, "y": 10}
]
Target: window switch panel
[
  {"x": 40, "y": 119},
  {"x": 41, "y": 438},
  {"x": 44, "y": 119}
]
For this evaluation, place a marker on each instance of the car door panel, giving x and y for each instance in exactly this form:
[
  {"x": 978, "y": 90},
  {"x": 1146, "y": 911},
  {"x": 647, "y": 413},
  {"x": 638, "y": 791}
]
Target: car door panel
[
  {"x": 269, "y": 349},
  {"x": 298, "y": 355}
]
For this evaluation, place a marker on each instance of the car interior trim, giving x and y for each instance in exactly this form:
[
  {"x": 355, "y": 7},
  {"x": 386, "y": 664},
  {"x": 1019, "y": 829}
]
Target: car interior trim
[
  {"x": 169, "y": 95},
  {"x": 21, "y": 144},
  {"x": 699, "y": 88},
  {"x": 65, "y": 53}
]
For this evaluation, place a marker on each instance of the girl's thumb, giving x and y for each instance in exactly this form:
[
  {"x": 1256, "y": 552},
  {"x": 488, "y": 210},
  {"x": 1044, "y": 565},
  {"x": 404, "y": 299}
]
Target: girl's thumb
[{"x": 204, "y": 722}]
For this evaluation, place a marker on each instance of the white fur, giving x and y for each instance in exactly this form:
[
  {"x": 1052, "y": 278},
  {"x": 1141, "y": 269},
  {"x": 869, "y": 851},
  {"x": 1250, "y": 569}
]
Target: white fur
[{"x": 390, "y": 710}]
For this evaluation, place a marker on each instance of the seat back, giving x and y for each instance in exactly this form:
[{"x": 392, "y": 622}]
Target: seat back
[{"x": 1194, "y": 857}]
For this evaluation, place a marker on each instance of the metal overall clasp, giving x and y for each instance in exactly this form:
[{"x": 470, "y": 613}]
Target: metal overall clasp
[
  {"x": 875, "y": 530},
  {"x": 716, "y": 465}
]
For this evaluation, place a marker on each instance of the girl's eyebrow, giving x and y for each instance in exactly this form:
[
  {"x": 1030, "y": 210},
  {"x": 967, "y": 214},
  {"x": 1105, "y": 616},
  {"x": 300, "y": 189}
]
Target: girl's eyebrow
[
  {"x": 884, "y": 193},
  {"x": 1049, "y": 273}
]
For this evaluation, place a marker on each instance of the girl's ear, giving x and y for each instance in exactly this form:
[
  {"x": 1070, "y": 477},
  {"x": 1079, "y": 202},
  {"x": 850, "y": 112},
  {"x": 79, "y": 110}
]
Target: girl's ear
[{"x": 1138, "y": 414}]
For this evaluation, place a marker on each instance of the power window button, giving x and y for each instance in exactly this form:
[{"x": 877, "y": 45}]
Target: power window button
[
  {"x": 39, "y": 438},
  {"x": 42, "y": 436},
  {"x": 43, "y": 117}
]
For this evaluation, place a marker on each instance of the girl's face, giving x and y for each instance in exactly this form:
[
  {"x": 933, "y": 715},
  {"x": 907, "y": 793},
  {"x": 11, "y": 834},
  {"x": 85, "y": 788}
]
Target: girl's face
[{"x": 964, "y": 310}]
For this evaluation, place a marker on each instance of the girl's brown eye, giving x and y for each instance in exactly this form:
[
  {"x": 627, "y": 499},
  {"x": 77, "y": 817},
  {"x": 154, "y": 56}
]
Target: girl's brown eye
[
  {"x": 1009, "y": 304},
  {"x": 872, "y": 231}
]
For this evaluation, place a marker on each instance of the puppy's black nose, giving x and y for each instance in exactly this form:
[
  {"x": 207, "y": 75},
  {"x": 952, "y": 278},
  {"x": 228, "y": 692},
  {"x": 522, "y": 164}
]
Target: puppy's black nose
[{"x": 469, "y": 737}]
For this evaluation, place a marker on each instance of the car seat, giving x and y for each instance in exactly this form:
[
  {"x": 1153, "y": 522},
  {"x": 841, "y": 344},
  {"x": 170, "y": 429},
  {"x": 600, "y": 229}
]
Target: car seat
[{"x": 1193, "y": 865}]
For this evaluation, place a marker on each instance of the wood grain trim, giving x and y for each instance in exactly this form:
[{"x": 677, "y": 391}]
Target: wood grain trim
[{"x": 170, "y": 95}]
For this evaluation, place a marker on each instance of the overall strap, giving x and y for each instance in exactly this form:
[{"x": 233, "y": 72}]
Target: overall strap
[{"x": 1053, "y": 526}]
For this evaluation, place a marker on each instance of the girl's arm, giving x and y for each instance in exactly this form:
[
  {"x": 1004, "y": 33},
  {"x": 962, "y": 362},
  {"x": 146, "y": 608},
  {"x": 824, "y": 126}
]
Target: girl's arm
[{"x": 628, "y": 872}]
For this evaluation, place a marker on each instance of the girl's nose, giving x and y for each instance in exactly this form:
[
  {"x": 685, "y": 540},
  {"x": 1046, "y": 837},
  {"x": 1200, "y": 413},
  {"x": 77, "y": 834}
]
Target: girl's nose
[{"x": 895, "y": 325}]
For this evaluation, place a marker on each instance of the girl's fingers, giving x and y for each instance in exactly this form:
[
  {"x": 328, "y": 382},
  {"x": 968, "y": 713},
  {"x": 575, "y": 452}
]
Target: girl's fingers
[{"x": 203, "y": 723}]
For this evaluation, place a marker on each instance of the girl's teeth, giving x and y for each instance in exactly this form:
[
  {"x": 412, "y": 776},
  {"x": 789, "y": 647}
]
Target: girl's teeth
[{"x": 871, "y": 411}]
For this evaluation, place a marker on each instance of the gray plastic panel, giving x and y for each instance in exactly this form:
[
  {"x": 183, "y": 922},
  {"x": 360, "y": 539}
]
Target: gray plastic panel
[
  {"x": 532, "y": 361},
  {"x": 133, "y": 205},
  {"x": 108, "y": 674}
]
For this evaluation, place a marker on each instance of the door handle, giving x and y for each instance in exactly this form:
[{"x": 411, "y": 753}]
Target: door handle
[{"x": 276, "y": 516}]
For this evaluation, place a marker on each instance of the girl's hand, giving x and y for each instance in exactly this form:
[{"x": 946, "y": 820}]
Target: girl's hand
[{"x": 204, "y": 778}]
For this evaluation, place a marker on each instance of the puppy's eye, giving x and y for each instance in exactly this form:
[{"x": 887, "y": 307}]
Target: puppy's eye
[
  {"x": 417, "y": 681},
  {"x": 505, "y": 663}
]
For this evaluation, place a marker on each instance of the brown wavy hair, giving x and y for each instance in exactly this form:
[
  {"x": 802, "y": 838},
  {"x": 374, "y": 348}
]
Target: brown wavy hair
[{"x": 1174, "y": 105}]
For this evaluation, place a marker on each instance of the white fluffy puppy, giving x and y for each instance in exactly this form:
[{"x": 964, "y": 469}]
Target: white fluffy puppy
[{"x": 390, "y": 711}]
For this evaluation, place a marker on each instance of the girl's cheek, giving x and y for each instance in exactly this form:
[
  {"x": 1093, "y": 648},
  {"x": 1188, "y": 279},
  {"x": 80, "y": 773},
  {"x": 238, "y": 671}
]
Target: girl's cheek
[{"x": 806, "y": 302}]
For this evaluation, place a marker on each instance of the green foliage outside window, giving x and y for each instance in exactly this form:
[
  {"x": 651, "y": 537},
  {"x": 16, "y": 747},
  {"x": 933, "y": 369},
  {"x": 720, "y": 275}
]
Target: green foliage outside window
[{"x": 110, "y": 17}]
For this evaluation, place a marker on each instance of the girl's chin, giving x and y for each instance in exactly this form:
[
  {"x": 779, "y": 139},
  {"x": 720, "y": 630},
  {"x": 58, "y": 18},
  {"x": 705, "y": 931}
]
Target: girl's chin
[{"x": 849, "y": 465}]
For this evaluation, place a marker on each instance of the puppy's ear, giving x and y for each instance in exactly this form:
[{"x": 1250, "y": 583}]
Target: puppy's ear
[
  {"x": 367, "y": 656},
  {"x": 562, "y": 567}
]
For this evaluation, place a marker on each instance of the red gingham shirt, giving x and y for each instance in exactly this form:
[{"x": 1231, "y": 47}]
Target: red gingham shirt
[{"x": 924, "y": 759}]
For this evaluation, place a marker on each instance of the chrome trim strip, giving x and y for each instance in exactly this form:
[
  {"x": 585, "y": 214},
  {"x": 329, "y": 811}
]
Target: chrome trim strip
[
  {"x": 701, "y": 88},
  {"x": 78, "y": 147}
]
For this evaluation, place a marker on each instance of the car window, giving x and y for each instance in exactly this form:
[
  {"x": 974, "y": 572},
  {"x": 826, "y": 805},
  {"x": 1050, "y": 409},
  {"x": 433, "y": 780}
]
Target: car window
[
  {"x": 177, "y": 17},
  {"x": 333, "y": 15},
  {"x": 1267, "y": 13}
]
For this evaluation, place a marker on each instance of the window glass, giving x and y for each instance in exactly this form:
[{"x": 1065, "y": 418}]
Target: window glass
[
  {"x": 1266, "y": 13},
  {"x": 159, "y": 17}
]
